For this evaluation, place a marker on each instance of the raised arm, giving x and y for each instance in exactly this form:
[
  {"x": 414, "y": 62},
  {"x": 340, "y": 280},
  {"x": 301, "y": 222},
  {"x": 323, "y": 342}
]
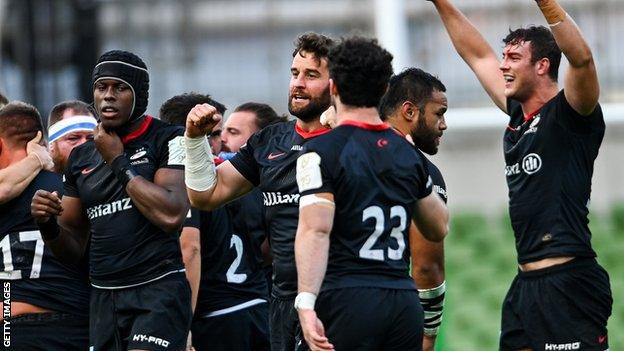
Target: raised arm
[
  {"x": 475, "y": 50},
  {"x": 581, "y": 80},
  {"x": 16, "y": 177},
  {"x": 208, "y": 187},
  {"x": 63, "y": 224}
]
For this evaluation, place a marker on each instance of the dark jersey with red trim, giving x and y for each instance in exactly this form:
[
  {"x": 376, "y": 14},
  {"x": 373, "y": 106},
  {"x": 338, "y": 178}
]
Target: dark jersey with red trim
[
  {"x": 36, "y": 276},
  {"x": 231, "y": 260},
  {"x": 376, "y": 177},
  {"x": 549, "y": 159},
  {"x": 268, "y": 161},
  {"x": 126, "y": 248}
]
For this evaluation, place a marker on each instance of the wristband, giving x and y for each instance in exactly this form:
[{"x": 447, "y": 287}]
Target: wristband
[
  {"x": 305, "y": 301},
  {"x": 123, "y": 169},
  {"x": 49, "y": 229},
  {"x": 553, "y": 12},
  {"x": 432, "y": 301},
  {"x": 199, "y": 167}
]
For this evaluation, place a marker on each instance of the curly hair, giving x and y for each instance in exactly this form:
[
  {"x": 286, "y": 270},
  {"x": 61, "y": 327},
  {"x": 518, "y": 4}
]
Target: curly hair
[
  {"x": 413, "y": 84},
  {"x": 360, "y": 69},
  {"x": 317, "y": 44},
  {"x": 175, "y": 109}
]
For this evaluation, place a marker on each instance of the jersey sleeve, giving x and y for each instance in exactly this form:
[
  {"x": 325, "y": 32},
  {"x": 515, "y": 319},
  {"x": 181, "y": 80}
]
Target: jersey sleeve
[
  {"x": 245, "y": 162},
  {"x": 70, "y": 187},
  {"x": 425, "y": 183},
  {"x": 192, "y": 218},
  {"x": 313, "y": 171},
  {"x": 439, "y": 186},
  {"x": 171, "y": 152},
  {"x": 573, "y": 121}
]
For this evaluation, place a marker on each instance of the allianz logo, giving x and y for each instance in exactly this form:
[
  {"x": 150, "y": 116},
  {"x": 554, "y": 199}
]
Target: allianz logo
[
  {"x": 530, "y": 164},
  {"x": 276, "y": 198},
  {"x": 109, "y": 208}
]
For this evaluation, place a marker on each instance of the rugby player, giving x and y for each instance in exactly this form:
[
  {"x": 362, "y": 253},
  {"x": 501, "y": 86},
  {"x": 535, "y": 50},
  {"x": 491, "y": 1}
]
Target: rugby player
[
  {"x": 360, "y": 187},
  {"x": 414, "y": 105},
  {"x": 550, "y": 145},
  {"x": 268, "y": 162},
  {"x": 49, "y": 300},
  {"x": 124, "y": 191}
]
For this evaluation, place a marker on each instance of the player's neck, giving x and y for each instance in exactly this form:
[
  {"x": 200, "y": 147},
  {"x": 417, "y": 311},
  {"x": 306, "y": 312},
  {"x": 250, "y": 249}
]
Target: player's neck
[
  {"x": 130, "y": 127},
  {"x": 311, "y": 125},
  {"x": 368, "y": 115},
  {"x": 9, "y": 157},
  {"x": 541, "y": 95}
]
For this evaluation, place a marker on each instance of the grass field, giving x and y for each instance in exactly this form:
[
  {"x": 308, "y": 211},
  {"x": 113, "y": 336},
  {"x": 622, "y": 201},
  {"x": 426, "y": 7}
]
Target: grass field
[{"x": 481, "y": 262}]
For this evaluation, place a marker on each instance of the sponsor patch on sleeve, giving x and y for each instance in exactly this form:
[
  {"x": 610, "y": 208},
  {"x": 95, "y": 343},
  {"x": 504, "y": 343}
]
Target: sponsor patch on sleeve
[
  {"x": 309, "y": 171},
  {"x": 176, "y": 151}
]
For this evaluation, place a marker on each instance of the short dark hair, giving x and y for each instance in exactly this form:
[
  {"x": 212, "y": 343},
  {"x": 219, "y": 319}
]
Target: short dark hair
[
  {"x": 360, "y": 69},
  {"x": 317, "y": 44},
  {"x": 56, "y": 114},
  {"x": 19, "y": 122},
  {"x": 413, "y": 84},
  {"x": 175, "y": 109},
  {"x": 543, "y": 45},
  {"x": 3, "y": 100},
  {"x": 265, "y": 114}
]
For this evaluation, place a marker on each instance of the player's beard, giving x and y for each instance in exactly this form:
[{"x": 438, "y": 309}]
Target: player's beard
[
  {"x": 58, "y": 160},
  {"x": 425, "y": 138},
  {"x": 313, "y": 109}
]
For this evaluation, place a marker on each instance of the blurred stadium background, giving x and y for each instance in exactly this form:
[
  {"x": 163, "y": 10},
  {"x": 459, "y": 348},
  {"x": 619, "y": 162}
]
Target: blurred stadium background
[{"x": 240, "y": 50}]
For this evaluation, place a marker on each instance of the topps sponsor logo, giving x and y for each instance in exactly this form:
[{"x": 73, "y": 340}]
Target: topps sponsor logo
[
  {"x": 272, "y": 199},
  {"x": 109, "y": 208},
  {"x": 150, "y": 339},
  {"x": 568, "y": 346}
]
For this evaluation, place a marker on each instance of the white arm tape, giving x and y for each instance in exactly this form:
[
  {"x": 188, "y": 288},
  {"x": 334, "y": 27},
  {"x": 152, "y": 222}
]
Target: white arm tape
[
  {"x": 305, "y": 301},
  {"x": 199, "y": 167},
  {"x": 312, "y": 199},
  {"x": 432, "y": 301}
]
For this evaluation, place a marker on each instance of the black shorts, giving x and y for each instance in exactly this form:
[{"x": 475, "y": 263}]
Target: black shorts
[
  {"x": 284, "y": 324},
  {"x": 372, "y": 319},
  {"x": 53, "y": 331},
  {"x": 563, "y": 307},
  {"x": 243, "y": 330},
  {"x": 153, "y": 316}
]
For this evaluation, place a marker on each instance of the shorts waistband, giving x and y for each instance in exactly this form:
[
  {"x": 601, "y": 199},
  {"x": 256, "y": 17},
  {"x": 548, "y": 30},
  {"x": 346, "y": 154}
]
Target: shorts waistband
[
  {"x": 48, "y": 317},
  {"x": 578, "y": 262}
]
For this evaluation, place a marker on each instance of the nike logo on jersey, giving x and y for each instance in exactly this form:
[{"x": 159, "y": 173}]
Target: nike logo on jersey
[
  {"x": 273, "y": 156},
  {"x": 87, "y": 170}
]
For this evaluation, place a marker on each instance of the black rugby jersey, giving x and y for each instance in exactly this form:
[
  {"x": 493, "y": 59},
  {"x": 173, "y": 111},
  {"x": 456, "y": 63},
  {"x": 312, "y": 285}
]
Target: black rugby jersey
[
  {"x": 231, "y": 260},
  {"x": 439, "y": 186},
  {"x": 376, "y": 177},
  {"x": 126, "y": 248},
  {"x": 36, "y": 276},
  {"x": 549, "y": 159},
  {"x": 269, "y": 161}
]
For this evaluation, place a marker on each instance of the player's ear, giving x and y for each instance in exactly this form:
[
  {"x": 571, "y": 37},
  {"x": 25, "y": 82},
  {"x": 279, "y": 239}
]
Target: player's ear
[
  {"x": 542, "y": 66},
  {"x": 409, "y": 111},
  {"x": 333, "y": 89}
]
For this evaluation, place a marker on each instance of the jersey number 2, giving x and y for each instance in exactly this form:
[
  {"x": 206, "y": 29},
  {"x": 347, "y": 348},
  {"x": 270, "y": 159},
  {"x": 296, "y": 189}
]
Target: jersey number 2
[
  {"x": 13, "y": 274},
  {"x": 231, "y": 275},
  {"x": 376, "y": 213}
]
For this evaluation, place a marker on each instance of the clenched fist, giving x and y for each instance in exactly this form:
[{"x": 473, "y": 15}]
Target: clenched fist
[{"x": 201, "y": 119}]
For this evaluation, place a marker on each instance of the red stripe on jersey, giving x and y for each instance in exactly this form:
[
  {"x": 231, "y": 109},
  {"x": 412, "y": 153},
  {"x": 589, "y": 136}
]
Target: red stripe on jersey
[
  {"x": 379, "y": 126},
  {"x": 531, "y": 115},
  {"x": 312, "y": 134},
  {"x": 137, "y": 133}
]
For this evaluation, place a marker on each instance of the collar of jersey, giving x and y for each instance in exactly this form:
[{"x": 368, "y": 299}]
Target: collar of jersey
[
  {"x": 312, "y": 134},
  {"x": 364, "y": 125},
  {"x": 139, "y": 131}
]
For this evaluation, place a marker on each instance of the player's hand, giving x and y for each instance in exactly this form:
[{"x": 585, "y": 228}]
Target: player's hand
[
  {"x": 108, "y": 143},
  {"x": 428, "y": 343},
  {"x": 36, "y": 146},
  {"x": 328, "y": 117},
  {"x": 313, "y": 331},
  {"x": 201, "y": 119},
  {"x": 45, "y": 205}
]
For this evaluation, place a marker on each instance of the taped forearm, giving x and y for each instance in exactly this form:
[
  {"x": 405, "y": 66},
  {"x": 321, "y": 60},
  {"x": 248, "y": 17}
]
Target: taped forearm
[
  {"x": 432, "y": 301},
  {"x": 199, "y": 167},
  {"x": 553, "y": 12}
]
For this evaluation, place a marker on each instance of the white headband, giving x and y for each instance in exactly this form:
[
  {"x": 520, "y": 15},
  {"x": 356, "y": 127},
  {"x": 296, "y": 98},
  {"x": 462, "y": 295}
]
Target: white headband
[{"x": 69, "y": 125}]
